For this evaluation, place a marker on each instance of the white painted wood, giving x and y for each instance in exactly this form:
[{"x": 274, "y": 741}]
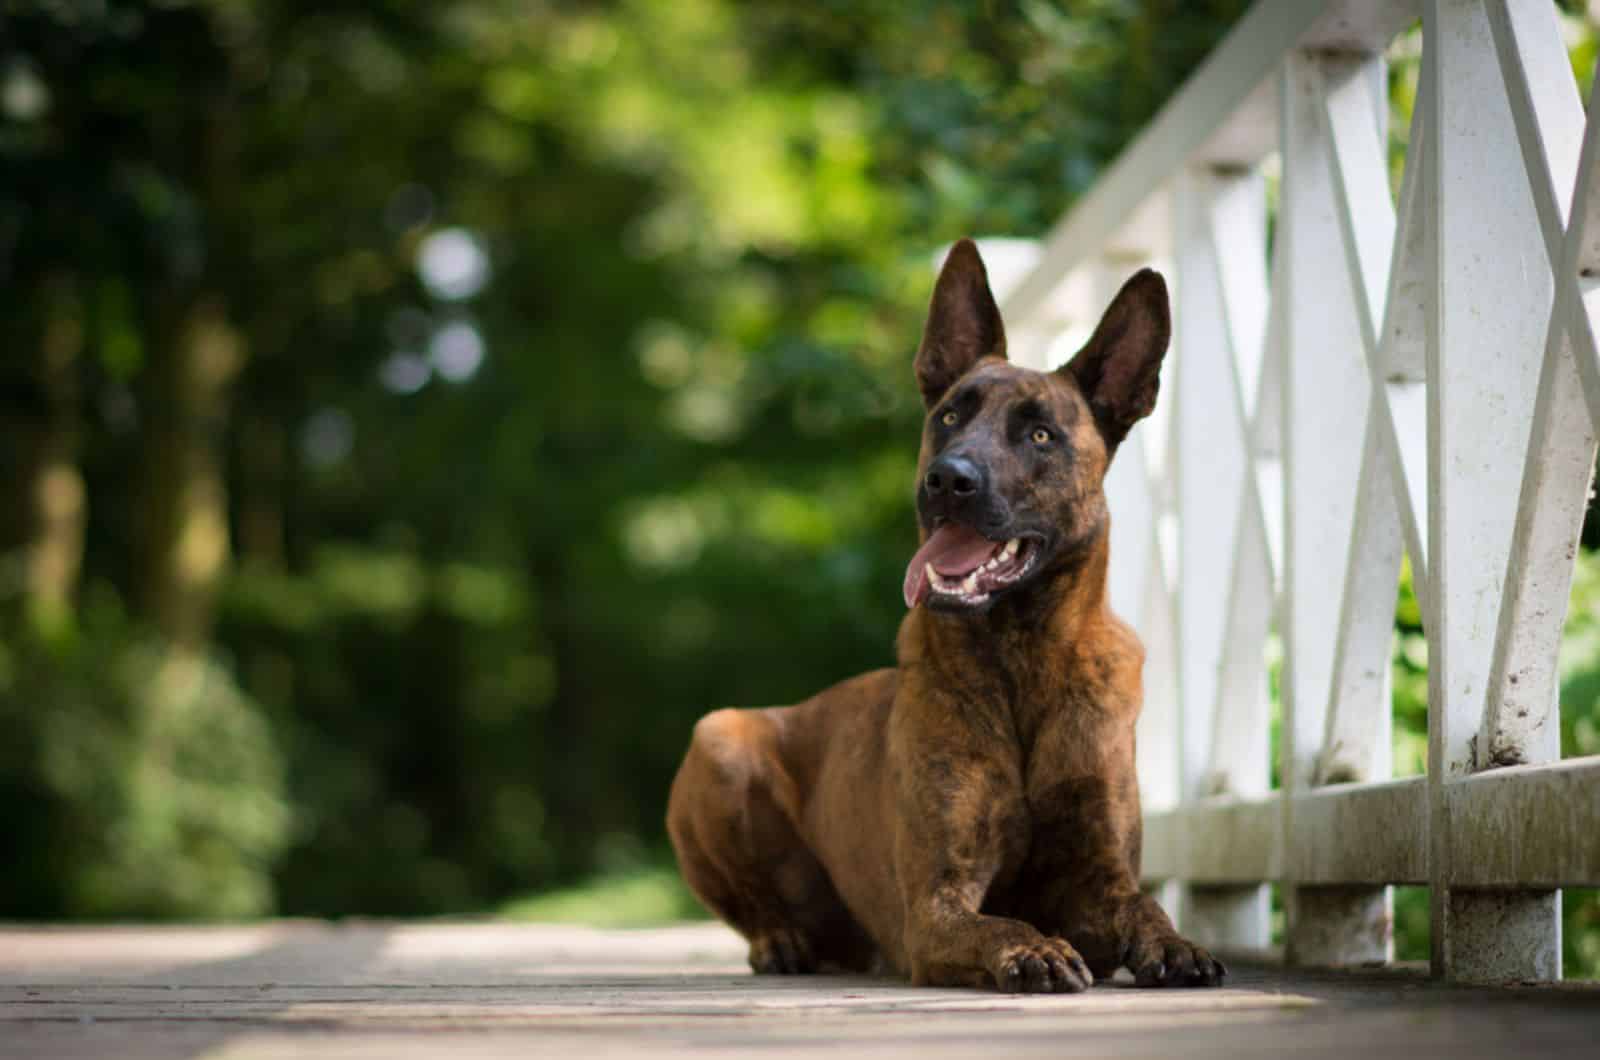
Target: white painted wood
[
  {"x": 1236, "y": 236},
  {"x": 1220, "y": 841},
  {"x": 1583, "y": 241},
  {"x": 1527, "y": 825},
  {"x": 1235, "y": 233},
  {"x": 1220, "y": 315},
  {"x": 1492, "y": 285},
  {"x": 1266, "y": 430},
  {"x": 1516, "y": 827},
  {"x": 1358, "y": 740},
  {"x": 1422, "y": 375},
  {"x": 1359, "y": 170},
  {"x": 1384, "y": 267},
  {"x": 1324, "y": 414},
  {"x": 1133, "y": 537},
  {"x": 1246, "y": 60},
  {"x": 1356, "y": 744},
  {"x": 1543, "y": 99},
  {"x": 1400, "y": 394},
  {"x": 1351, "y": 834},
  {"x": 1550, "y": 127},
  {"x": 1238, "y": 762},
  {"x": 1521, "y": 721},
  {"x": 1156, "y": 746},
  {"x": 1355, "y": 835},
  {"x": 1326, "y": 395},
  {"x": 1209, "y": 471}
]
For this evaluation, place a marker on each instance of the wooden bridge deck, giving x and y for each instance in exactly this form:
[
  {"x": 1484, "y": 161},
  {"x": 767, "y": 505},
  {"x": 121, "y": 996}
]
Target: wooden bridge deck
[{"x": 483, "y": 989}]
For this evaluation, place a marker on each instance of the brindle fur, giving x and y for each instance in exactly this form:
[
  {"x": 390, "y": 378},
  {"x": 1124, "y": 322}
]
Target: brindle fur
[{"x": 970, "y": 817}]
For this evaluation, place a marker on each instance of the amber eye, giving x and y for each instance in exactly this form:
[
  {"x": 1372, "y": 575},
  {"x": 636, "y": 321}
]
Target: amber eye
[
  {"x": 949, "y": 418},
  {"x": 1040, "y": 435}
]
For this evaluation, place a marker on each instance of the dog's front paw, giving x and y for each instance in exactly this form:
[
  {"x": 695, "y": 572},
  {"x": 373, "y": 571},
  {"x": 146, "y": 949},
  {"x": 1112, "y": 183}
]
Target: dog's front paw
[
  {"x": 1047, "y": 966},
  {"x": 1173, "y": 961},
  {"x": 782, "y": 952}
]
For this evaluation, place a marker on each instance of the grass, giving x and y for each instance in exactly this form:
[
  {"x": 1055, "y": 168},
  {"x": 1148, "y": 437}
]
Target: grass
[{"x": 638, "y": 898}]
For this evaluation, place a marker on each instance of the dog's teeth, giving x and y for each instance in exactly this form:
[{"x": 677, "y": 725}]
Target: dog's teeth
[
  {"x": 1011, "y": 547},
  {"x": 969, "y": 585}
]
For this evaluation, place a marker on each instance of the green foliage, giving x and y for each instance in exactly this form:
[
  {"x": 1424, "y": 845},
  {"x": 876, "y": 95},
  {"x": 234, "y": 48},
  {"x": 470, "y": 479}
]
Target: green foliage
[
  {"x": 473, "y": 609},
  {"x": 480, "y": 611},
  {"x": 1409, "y": 672},
  {"x": 138, "y": 782},
  {"x": 638, "y": 898}
]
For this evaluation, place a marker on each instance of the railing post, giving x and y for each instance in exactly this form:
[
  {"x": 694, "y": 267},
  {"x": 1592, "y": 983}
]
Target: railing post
[
  {"x": 1491, "y": 289},
  {"x": 1212, "y": 466},
  {"x": 1296, "y": 488},
  {"x": 1326, "y": 396}
]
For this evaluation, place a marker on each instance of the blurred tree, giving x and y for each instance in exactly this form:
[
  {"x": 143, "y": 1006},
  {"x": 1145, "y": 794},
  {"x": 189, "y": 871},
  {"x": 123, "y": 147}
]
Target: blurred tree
[{"x": 469, "y": 396}]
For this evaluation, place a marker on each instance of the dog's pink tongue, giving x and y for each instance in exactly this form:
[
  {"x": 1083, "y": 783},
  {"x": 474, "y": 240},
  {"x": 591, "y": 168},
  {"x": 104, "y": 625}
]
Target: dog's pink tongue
[{"x": 953, "y": 550}]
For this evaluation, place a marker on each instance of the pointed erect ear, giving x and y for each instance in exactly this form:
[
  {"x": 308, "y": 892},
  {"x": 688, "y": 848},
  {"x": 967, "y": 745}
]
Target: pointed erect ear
[
  {"x": 963, "y": 323},
  {"x": 1118, "y": 370}
]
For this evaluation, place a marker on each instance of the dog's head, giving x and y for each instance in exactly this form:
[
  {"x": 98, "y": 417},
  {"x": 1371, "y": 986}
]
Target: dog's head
[{"x": 1009, "y": 481}]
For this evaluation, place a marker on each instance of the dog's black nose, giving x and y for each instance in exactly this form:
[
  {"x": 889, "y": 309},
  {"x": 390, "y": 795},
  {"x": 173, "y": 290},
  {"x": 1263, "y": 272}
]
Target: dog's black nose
[{"x": 953, "y": 476}]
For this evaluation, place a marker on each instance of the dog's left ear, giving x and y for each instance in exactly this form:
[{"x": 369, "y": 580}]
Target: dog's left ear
[
  {"x": 1118, "y": 369},
  {"x": 963, "y": 323}
]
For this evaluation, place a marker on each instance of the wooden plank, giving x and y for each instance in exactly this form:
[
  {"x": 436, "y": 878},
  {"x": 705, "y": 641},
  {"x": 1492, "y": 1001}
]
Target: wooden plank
[
  {"x": 1583, "y": 240},
  {"x": 1238, "y": 72},
  {"x": 1384, "y": 253},
  {"x": 1362, "y": 834},
  {"x": 1327, "y": 394},
  {"x": 1354, "y": 834},
  {"x": 1527, "y": 826},
  {"x": 1209, "y": 472},
  {"x": 1325, "y": 402},
  {"x": 1519, "y": 827},
  {"x": 1235, "y": 232},
  {"x": 1156, "y": 746},
  {"x": 1356, "y": 744},
  {"x": 1492, "y": 286},
  {"x": 1400, "y": 370},
  {"x": 1237, "y": 755},
  {"x": 1214, "y": 841},
  {"x": 1522, "y": 720},
  {"x": 1545, "y": 108}
]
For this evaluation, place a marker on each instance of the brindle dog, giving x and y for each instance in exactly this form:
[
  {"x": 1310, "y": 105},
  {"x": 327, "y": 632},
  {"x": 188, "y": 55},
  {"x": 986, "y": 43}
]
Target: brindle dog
[{"x": 971, "y": 816}]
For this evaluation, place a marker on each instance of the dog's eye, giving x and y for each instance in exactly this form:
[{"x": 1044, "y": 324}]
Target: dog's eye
[
  {"x": 1040, "y": 436},
  {"x": 949, "y": 418}
]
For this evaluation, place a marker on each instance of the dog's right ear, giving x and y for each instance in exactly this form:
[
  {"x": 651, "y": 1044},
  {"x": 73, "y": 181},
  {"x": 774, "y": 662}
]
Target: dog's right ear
[{"x": 963, "y": 323}]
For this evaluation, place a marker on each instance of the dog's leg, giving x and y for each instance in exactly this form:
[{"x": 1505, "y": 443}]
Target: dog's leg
[
  {"x": 730, "y": 817},
  {"x": 1088, "y": 886},
  {"x": 960, "y": 819}
]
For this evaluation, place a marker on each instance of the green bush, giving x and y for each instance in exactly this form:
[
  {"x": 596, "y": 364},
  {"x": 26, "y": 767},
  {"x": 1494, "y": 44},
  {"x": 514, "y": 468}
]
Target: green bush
[{"x": 138, "y": 782}]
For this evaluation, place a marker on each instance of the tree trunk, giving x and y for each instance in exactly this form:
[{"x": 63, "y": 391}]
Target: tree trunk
[
  {"x": 42, "y": 440},
  {"x": 184, "y": 487},
  {"x": 263, "y": 469}
]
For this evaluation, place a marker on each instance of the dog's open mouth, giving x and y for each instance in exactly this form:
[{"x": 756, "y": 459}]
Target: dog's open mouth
[{"x": 957, "y": 565}]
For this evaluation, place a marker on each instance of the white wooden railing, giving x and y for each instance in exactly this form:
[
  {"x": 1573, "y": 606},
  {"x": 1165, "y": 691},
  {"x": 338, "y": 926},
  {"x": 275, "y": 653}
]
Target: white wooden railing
[{"x": 1376, "y": 379}]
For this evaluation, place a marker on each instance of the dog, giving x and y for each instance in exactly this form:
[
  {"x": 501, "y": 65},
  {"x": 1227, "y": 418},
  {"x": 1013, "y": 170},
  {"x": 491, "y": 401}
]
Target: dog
[{"x": 971, "y": 816}]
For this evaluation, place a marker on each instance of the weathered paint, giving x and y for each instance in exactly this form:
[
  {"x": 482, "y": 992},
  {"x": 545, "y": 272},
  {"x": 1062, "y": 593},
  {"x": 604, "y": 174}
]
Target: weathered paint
[{"x": 1423, "y": 377}]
